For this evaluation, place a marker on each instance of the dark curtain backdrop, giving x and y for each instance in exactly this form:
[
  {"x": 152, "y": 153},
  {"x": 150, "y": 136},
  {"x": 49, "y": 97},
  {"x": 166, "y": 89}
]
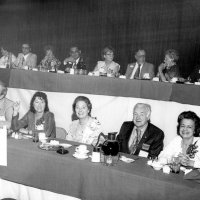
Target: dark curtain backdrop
[{"x": 154, "y": 25}]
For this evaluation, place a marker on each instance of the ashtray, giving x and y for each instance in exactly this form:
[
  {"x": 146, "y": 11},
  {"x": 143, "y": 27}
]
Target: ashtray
[{"x": 62, "y": 151}]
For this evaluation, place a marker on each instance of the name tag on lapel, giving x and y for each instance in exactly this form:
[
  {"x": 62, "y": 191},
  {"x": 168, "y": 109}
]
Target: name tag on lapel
[
  {"x": 144, "y": 151},
  {"x": 143, "y": 154}
]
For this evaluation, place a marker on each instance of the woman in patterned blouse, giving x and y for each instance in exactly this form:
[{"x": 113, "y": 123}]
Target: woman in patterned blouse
[
  {"x": 86, "y": 129},
  {"x": 49, "y": 62}
]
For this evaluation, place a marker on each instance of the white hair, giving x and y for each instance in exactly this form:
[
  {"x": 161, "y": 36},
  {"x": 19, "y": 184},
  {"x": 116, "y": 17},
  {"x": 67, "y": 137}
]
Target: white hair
[{"x": 146, "y": 106}]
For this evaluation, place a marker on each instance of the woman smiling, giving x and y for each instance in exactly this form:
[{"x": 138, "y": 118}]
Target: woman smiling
[
  {"x": 37, "y": 119},
  {"x": 86, "y": 129},
  {"x": 186, "y": 145}
]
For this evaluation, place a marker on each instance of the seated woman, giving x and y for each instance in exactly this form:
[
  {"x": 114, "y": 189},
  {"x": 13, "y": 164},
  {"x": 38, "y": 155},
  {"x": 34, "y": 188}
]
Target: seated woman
[
  {"x": 186, "y": 145},
  {"x": 37, "y": 119},
  {"x": 86, "y": 129},
  {"x": 7, "y": 60},
  {"x": 49, "y": 62},
  {"x": 6, "y": 107},
  {"x": 108, "y": 66},
  {"x": 169, "y": 69}
]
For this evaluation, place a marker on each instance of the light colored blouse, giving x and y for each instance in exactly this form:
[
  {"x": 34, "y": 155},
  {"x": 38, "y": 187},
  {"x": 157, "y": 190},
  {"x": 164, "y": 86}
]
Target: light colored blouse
[
  {"x": 103, "y": 68},
  {"x": 7, "y": 60},
  {"x": 88, "y": 135},
  {"x": 174, "y": 148}
]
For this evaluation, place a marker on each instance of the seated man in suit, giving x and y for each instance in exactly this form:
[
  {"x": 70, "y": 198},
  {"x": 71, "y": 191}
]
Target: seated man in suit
[
  {"x": 26, "y": 59},
  {"x": 140, "y": 137},
  {"x": 140, "y": 69},
  {"x": 75, "y": 60}
]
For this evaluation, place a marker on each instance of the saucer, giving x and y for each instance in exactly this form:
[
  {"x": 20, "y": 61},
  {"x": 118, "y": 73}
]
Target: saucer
[{"x": 80, "y": 156}]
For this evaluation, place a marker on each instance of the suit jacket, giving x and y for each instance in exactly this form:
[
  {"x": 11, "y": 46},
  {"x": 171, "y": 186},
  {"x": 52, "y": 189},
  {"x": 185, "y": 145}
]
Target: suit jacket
[
  {"x": 80, "y": 65},
  {"x": 31, "y": 61},
  {"x": 146, "y": 68},
  {"x": 153, "y": 136}
]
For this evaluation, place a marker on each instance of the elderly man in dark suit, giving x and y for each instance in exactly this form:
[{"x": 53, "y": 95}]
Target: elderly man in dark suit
[
  {"x": 140, "y": 69},
  {"x": 140, "y": 137}
]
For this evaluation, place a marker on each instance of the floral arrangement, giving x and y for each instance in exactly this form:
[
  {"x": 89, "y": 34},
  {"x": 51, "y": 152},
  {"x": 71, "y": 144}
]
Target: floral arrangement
[
  {"x": 192, "y": 150},
  {"x": 94, "y": 125}
]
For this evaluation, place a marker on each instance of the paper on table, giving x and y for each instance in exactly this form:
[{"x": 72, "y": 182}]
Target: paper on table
[{"x": 3, "y": 146}]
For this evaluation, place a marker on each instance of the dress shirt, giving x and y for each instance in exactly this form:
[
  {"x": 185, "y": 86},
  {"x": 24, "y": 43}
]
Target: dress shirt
[
  {"x": 135, "y": 70},
  {"x": 134, "y": 134}
]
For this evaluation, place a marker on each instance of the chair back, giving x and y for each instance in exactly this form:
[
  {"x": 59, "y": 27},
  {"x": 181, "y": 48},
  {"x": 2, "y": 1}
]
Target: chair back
[{"x": 61, "y": 133}]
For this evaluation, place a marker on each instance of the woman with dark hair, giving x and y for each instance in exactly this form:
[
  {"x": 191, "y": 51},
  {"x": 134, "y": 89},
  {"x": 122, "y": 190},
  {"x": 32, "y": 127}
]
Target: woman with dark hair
[
  {"x": 37, "y": 119},
  {"x": 169, "y": 68},
  {"x": 49, "y": 62},
  {"x": 86, "y": 129},
  {"x": 186, "y": 145},
  {"x": 108, "y": 66}
]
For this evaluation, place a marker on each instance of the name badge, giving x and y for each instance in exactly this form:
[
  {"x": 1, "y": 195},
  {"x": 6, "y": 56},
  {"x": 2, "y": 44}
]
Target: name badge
[
  {"x": 143, "y": 154},
  {"x": 145, "y": 147}
]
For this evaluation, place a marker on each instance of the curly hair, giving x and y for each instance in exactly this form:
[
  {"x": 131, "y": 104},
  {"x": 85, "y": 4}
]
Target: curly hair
[
  {"x": 42, "y": 96},
  {"x": 84, "y": 99},
  {"x": 107, "y": 49},
  {"x": 192, "y": 116},
  {"x": 49, "y": 47},
  {"x": 173, "y": 54}
]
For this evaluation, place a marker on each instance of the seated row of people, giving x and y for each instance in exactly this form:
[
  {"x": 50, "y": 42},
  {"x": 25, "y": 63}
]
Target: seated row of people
[
  {"x": 137, "y": 137},
  {"x": 137, "y": 70}
]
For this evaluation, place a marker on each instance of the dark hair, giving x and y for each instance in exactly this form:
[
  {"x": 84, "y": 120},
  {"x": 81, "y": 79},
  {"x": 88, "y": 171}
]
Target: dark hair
[
  {"x": 41, "y": 95},
  {"x": 192, "y": 116},
  {"x": 173, "y": 54},
  {"x": 49, "y": 47},
  {"x": 86, "y": 100}
]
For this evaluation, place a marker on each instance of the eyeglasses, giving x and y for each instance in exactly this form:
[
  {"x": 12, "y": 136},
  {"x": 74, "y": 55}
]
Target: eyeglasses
[{"x": 25, "y": 47}]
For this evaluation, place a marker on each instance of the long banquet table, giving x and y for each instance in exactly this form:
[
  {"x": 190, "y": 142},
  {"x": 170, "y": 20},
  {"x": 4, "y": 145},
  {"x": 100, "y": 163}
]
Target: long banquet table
[
  {"x": 64, "y": 174},
  {"x": 67, "y": 83}
]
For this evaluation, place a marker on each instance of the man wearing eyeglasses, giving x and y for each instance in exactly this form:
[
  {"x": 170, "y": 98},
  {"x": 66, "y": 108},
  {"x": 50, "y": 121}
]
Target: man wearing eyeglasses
[
  {"x": 75, "y": 60},
  {"x": 140, "y": 69},
  {"x": 26, "y": 59}
]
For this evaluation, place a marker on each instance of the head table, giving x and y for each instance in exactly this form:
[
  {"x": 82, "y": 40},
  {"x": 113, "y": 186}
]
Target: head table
[{"x": 64, "y": 174}]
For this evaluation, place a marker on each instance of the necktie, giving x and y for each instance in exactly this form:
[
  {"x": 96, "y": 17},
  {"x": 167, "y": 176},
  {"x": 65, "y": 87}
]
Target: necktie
[
  {"x": 23, "y": 60},
  {"x": 137, "y": 73},
  {"x": 136, "y": 141}
]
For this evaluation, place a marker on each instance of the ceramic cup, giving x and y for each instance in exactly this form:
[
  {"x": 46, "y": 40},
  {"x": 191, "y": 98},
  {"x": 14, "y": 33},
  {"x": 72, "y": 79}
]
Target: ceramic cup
[{"x": 81, "y": 149}]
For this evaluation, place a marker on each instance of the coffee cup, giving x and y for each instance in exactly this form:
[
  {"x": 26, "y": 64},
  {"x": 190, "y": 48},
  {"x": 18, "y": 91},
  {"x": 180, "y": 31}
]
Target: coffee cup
[
  {"x": 42, "y": 137},
  {"x": 82, "y": 149}
]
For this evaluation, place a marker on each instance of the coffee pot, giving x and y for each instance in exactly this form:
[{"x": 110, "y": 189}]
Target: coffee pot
[{"x": 109, "y": 148}]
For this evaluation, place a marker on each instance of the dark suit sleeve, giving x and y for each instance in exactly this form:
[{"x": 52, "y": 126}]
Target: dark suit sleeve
[
  {"x": 121, "y": 138},
  {"x": 157, "y": 145}
]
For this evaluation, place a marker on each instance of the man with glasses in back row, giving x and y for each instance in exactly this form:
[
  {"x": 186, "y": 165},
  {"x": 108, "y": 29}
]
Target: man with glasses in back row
[
  {"x": 26, "y": 59},
  {"x": 140, "y": 69}
]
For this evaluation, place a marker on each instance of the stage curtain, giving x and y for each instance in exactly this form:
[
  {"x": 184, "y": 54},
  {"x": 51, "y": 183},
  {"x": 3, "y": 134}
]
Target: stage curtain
[{"x": 127, "y": 25}]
